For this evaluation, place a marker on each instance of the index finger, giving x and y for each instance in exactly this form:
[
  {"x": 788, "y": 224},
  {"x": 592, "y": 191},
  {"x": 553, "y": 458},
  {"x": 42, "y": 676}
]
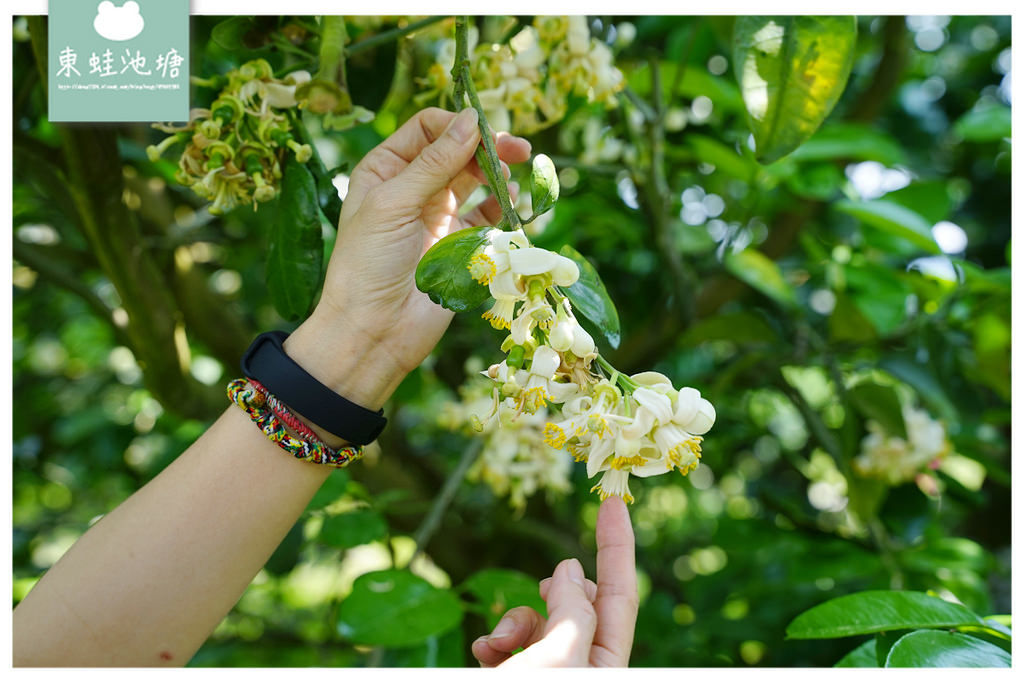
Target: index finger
[{"x": 617, "y": 600}]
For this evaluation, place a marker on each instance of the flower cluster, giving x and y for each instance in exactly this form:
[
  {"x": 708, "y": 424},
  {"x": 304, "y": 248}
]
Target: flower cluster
[
  {"x": 525, "y": 86},
  {"x": 234, "y": 150},
  {"x": 896, "y": 460},
  {"x": 618, "y": 425},
  {"x": 515, "y": 461}
]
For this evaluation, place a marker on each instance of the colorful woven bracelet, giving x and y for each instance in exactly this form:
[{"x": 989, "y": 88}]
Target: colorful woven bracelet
[
  {"x": 285, "y": 415},
  {"x": 247, "y": 397}
]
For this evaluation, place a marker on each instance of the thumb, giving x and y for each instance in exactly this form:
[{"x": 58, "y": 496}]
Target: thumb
[{"x": 439, "y": 163}]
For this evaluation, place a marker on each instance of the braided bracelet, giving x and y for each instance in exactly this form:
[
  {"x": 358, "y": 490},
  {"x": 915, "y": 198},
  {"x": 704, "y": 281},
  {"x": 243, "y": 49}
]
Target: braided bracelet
[
  {"x": 286, "y": 416},
  {"x": 247, "y": 397}
]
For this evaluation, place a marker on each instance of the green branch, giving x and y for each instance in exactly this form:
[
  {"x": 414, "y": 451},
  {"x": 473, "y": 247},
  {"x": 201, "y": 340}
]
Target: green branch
[
  {"x": 487, "y": 155},
  {"x": 433, "y": 519}
]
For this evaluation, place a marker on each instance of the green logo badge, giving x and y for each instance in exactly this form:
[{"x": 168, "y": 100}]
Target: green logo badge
[{"x": 125, "y": 60}]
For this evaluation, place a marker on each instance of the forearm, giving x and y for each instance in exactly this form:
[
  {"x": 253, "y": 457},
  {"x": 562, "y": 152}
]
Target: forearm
[{"x": 149, "y": 582}]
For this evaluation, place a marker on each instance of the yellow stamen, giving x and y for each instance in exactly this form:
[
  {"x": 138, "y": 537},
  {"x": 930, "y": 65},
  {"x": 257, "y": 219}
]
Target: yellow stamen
[
  {"x": 578, "y": 454},
  {"x": 603, "y": 495},
  {"x": 496, "y": 322},
  {"x": 554, "y": 436},
  {"x": 482, "y": 268},
  {"x": 597, "y": 425},
  {"x": 623, "y": 463},
  {"x": 532, "y": 400},
  {"x": 690, "y": 447}
]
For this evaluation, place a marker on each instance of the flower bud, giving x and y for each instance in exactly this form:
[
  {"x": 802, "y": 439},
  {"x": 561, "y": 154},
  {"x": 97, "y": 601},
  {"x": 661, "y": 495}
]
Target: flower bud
[
  {"x": 582, "y": 343},
  {"x": 561, "y": 337},
  {"x": 703, "y": 420}
]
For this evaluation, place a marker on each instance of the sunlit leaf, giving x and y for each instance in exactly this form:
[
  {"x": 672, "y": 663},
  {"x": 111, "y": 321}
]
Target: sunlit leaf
[
  {"x": 877, "y": 611},
  {"x": 353, "y": 528},
  {"x": 393, "y": 608},
  {"x": 880, "y": 403},
  {"x": 590, "y": 298},
  {"x": 985, "y": 124},
  {"x": 791, "y": 71},
  {"x": 932, "y": 648},
  {"x": 543, "y": 184},
  {"x": 892, "y": 218},
  {"x": 761, "y": 273}
]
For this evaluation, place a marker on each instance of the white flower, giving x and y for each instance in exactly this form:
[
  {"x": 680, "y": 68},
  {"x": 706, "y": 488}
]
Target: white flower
[
  {"x": 537, "y": 390},
  {"x": 896, "y": 460},
  {"x": 533, "y": 261}
]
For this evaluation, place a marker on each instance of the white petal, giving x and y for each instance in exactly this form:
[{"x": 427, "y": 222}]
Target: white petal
[
  {"x": 280, "y": 96},
  {"x": 659, "y": 404},
  {"x": 561, "y": 337},
  {"x": 545, "y": 361},
  {"x": 641, "y": 425},
  {"x": 704, "y": 419},
  {"x": 654, "y": 380},
  {"x": 652, "y": 468},
  {"x": 565, "y": 272},
  {"x": 599, "y": 453},
  {"x": 583, "y": 343},
  {"x": 504, "y": 284},
  {"x": 687, "y": 403},
  {"x": 532, "y": 261}
]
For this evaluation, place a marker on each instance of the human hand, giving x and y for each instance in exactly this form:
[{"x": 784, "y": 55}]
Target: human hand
[
  {"x": 588, "y": 624},
  {"x": 372, "y": 325}
]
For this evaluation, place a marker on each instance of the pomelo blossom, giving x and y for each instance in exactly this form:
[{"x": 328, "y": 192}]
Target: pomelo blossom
[
  {"x": 514, "y": 460},
  {"x": 619, "y": 426},
  {"x": 896, "y": 460},
  {"x": 524, "y": 86}
]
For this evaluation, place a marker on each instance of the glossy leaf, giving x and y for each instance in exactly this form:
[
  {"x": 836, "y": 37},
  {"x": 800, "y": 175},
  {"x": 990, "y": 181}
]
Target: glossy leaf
[
  {"x": 791, "y": 71},
  {"x": 931, "y": 648},
  {"x": 878, "y": 611},
  {"x": 892, "y": 218},
  {"x": 761, "y": 273},
  {"x": 499, "y": 590},
  {"x": 862, "y": 656},
  {"x": 296, "y": 252},
  {"x": 590, "y": 298},
  {"x": 353, "y": 528},
  {"x": 543, "y": 184},
  {"x": 880, "y": 403},
  {"x": 394, "y": 608},
  {"x": 853, "y": 141},
  {"x": 443, "y": 271},
  {"x": 985, "y": 124}
]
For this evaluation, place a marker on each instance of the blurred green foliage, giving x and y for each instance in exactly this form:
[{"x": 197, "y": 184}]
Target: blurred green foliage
[{"x": 877, "y": 252}]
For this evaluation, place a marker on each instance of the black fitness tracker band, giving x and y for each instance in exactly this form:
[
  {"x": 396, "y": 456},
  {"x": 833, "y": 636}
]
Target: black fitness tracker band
[{"x": 267, "y": 363}]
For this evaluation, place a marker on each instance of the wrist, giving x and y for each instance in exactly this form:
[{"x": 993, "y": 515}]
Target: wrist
[{"x": 344, "y": 360}]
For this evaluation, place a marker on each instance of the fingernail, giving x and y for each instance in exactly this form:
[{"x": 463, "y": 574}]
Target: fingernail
[
  {"x": 461, "y": 129},
  {"x": 505, "y": 627},
  {"x": 576, "y": 572},
  {"x": 545, "y": 582},
  {"x": 506, "y": 171},
  {"x": 513, "y": 188}
]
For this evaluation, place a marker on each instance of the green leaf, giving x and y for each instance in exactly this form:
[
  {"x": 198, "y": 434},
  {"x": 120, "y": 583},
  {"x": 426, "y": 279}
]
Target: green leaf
[
  {"x": 761, "y": 273},
  {"x": 443, "y": 271},
  {"x": 393, "y": 608},
  {"x": 286, "y": 556},
  {"x": 740, "y": 327},
  {"x": 791, "y": 71},
  {"x": 722, "y": 156},
  {"x": 929, "y": 198},
  {"x": 984, "y": 124},
  {"x": 238, "y": 34},
  {"x": 543, "y": 184},
  {"x": 892, "y": 218},
  {"x": 862, "y": 656},
  {"x": 879, "y": 403},
  {"x": 930, "y": 648},
  {"x": 296, "y": 252},
  {"x": 852, "y": 141},
  {"x": 590, "y": 298},
  {"x": 499, "y": 590},
  {"x": 931, "y": 391},
  {"x": 884, "y": 642},
  {"x": 353, "y": 528},
  {"x": 878, "y": 611}
]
